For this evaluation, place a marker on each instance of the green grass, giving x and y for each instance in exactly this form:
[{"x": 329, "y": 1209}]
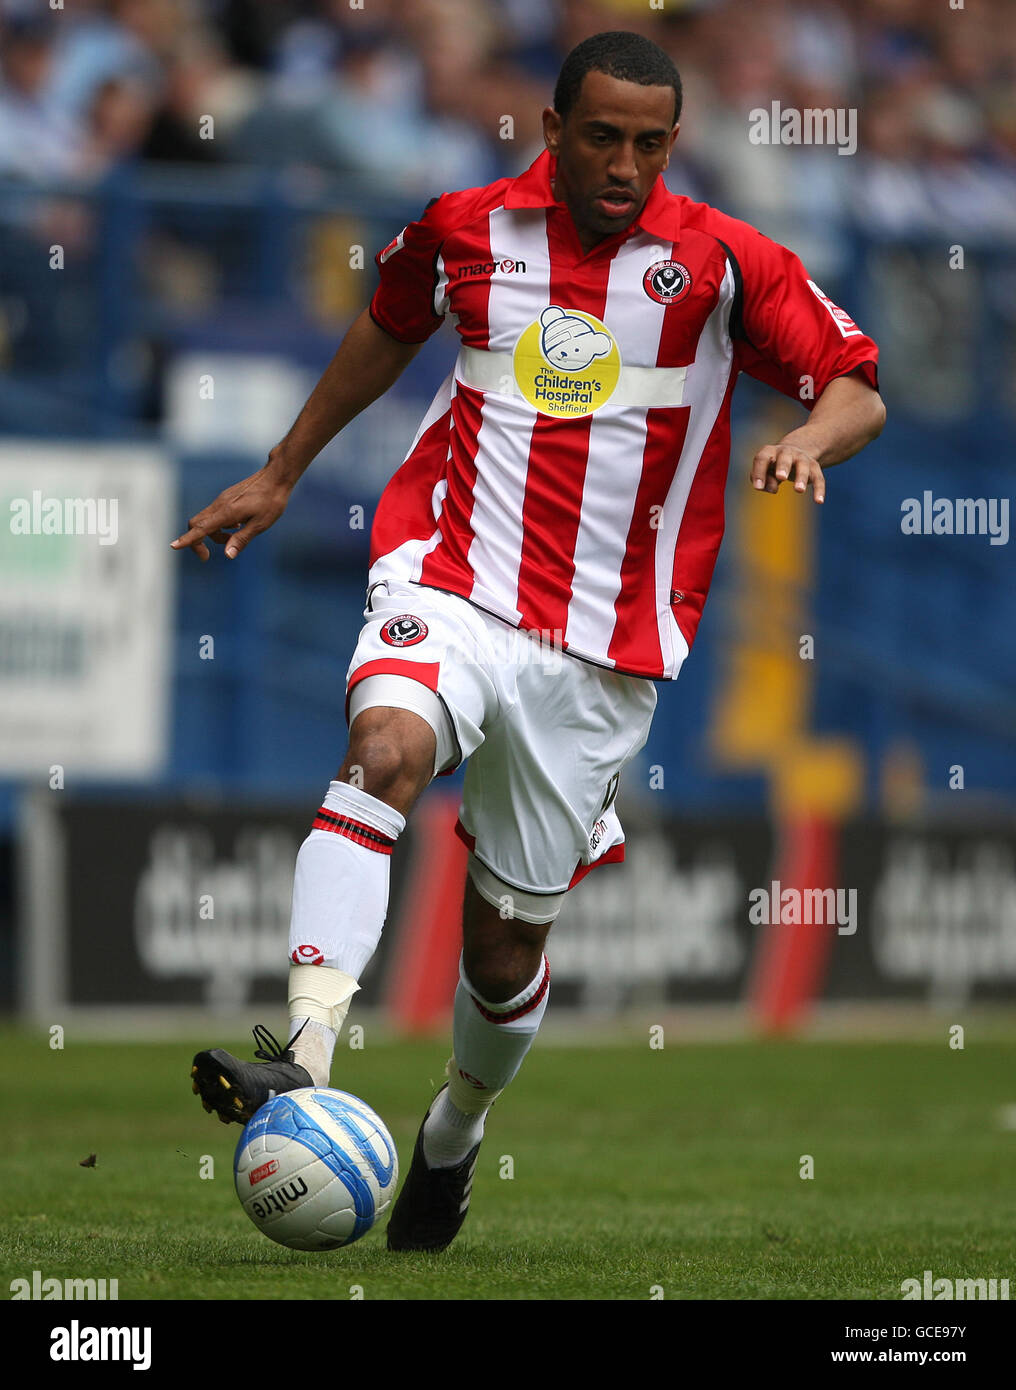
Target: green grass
[{"x": 632, "y": 1168}]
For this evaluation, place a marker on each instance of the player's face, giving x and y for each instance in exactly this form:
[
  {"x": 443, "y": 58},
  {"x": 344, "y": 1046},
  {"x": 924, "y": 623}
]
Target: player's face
[{"x": 610, "y": 151}]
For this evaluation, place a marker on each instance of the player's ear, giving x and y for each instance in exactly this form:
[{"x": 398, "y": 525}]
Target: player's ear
[{"x": 551, "y": 129}]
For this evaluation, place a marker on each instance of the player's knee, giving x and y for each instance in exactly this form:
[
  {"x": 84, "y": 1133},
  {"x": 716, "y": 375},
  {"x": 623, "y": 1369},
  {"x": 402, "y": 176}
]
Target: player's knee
[
  {"x": 500, "y": 963},
  {"x": 493, "y": 981},
  {"x": 500, "y": 977},
  {"x": 383, "y": 765}
]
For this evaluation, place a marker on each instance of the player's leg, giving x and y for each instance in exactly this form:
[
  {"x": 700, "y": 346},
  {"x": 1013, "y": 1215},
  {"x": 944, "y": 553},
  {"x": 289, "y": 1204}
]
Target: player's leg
[
  {"x": 502, "y": 995},
  {"x": 340, "y": 900},
  {"x": 537, "y": 812},
  {"x": 500, "y": 1001},
  {"x": 341, "y": 885},
  {"x": 417, "y": 699}
]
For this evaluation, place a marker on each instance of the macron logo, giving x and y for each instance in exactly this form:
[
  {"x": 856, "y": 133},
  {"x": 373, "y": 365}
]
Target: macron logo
[{"x": 505, "y": 266}]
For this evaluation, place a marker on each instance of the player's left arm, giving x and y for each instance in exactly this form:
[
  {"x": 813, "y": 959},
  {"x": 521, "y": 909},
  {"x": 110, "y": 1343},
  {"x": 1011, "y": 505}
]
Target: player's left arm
[
  {"x": 789, "y": 334},
  {"x": 847, "y": 415}
]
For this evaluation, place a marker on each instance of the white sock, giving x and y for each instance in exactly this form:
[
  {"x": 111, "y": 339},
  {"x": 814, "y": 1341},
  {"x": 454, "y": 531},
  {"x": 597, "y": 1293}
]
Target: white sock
[
  {"x": 490, "y": 1045},
  {"x": 313, "y": 1049},
  {"x": 340, "y": 890},
  {"x": 319, "y": 999},
  {"x": 449, "y": 1133}
]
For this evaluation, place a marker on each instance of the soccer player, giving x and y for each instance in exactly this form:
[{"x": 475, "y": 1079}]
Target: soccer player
[{"x": 539, "y": 560}]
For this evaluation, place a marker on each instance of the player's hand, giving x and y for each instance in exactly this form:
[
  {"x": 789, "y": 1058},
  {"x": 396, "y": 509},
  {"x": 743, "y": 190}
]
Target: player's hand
[
  {"x": 241, "y": 512},
  {"x": 780, "y": 463}
]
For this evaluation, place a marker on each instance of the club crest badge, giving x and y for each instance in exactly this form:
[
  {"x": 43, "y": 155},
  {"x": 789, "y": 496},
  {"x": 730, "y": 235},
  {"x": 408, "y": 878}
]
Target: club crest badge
[
  {"x": 404, "y": 631},
  {"x": 667, "y": 281}
]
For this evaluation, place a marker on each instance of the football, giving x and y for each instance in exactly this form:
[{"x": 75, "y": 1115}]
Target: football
[{"x": 315, "y": 1168}]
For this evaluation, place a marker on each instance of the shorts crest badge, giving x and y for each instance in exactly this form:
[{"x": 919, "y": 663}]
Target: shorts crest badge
[{"x": 404, "y": 631}]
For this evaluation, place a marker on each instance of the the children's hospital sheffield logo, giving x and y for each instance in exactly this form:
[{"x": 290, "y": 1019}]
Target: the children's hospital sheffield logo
[{"x": 567, "y": 363}]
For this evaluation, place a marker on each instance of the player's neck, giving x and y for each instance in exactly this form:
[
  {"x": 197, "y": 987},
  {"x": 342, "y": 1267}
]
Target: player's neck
[{"x": 588, "y": 238}]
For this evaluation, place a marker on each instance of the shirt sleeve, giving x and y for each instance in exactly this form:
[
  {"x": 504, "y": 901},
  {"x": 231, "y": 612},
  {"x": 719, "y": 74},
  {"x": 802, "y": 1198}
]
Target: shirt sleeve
[
  {"x": 788, "y": 333},
  {"x": 408, "y": 303}
]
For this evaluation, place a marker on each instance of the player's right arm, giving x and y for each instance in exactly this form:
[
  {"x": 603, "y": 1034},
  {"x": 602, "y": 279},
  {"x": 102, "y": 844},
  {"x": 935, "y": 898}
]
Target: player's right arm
[{"x": 368, "y": 361}]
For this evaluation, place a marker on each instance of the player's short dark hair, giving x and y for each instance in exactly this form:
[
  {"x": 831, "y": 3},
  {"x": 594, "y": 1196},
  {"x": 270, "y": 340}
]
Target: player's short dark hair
[{"x": 628, "y": 57}]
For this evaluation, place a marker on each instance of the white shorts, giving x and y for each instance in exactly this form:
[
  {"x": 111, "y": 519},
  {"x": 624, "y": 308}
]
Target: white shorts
[{"x": 546, "y": 734}]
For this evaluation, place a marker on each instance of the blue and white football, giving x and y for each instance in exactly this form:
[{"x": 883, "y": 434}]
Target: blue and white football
[{"x": 315, "y": 1168}]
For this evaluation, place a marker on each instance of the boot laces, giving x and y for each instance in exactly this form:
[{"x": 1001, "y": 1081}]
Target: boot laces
[{"x": 270, "y": 1049}]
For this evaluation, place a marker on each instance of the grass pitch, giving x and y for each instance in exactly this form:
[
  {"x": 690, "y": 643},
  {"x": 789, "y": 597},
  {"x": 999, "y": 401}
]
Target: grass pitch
[{"x": 635, "y": 1172}]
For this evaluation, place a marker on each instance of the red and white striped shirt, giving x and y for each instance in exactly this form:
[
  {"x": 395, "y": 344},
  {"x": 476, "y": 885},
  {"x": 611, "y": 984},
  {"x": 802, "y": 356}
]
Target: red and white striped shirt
[{"x": 569, "y": 474}]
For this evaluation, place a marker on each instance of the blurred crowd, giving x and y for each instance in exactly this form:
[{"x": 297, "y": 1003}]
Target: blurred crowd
[{"x": 415, "y": 94}]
